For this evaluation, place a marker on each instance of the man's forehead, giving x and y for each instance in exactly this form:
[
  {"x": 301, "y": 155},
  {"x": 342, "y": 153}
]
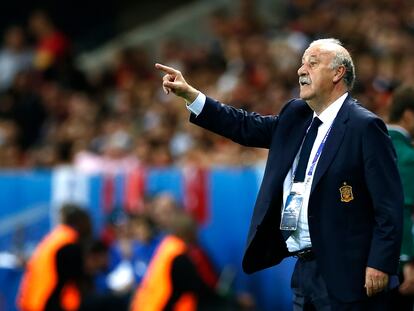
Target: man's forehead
[{"x": 319, "y": 50}]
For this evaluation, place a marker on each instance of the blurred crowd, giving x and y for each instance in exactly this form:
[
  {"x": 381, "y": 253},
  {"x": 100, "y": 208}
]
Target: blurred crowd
[
  {"x": 113, "y": 120},
  {"x": 146, "y": 261},
  {"x": 118, "y": 119}
]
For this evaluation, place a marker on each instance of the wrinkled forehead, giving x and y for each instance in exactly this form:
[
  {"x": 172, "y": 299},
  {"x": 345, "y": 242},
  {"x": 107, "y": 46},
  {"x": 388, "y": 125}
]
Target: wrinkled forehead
[{"x": 320, "y": 51}]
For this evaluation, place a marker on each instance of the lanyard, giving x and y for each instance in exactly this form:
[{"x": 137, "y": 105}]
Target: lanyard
[
  {"x": 318, "y": 152},
  {"x": 317, "y": 155}
]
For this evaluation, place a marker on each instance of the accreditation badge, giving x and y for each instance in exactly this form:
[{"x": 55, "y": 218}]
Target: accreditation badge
[{"x": 291, "y": 210}]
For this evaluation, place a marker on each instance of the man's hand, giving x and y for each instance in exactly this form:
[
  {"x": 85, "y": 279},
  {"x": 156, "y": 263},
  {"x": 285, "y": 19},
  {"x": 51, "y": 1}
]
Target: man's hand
[
  {"x": 375, "y": 281},
  {"x": 407, "y": 287},
  {"x": 174, "y": 82}
]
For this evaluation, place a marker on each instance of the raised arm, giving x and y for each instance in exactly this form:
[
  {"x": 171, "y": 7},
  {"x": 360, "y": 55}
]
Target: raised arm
[{"x": 249, "y": 129}]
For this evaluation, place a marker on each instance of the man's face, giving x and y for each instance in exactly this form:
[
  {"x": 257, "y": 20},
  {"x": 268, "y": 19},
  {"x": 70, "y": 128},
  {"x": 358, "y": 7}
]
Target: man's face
[{"x": 315, "y": 73}]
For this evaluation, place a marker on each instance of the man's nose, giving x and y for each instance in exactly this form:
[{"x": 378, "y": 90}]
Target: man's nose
[{"x": 302, "y": 70}]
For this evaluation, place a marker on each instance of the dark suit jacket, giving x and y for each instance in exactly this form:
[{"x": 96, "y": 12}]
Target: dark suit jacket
[{"x": 346, "y": 236}]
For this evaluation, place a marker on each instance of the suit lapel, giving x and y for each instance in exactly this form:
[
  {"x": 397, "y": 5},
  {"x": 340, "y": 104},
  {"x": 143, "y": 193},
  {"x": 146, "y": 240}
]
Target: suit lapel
[
  {"x": 293, "y": 138},
  {"x": 333, "y": 142}
]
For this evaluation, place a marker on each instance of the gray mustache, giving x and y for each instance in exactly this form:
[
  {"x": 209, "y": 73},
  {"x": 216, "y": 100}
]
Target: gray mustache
[{"x": 304, "y": 80}]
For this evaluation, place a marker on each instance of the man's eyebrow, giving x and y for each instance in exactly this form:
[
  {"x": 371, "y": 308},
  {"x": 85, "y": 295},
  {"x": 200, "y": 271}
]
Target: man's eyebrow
[{"x": 313, "y": 56}]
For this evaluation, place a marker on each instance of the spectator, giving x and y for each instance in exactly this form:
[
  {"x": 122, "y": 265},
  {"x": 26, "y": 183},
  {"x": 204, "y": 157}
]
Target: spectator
[
  {"x": 112, "y": 151},
  {"x": 95, "y": 261},
  {"x": 52, "y": 45},
  {"x": 145, "y": 239},
  {"x": 401, "y": 130},
  {"x": 130, "y": 255},
  {"x": 121, "y": 277},
  {"x": 27, "y": 109},
  {"x": 43, "y": 276},
  {"x": 15, "y": 57},
  {"x": 162, "y": 211},
  {"x": 9, "y": 149}
]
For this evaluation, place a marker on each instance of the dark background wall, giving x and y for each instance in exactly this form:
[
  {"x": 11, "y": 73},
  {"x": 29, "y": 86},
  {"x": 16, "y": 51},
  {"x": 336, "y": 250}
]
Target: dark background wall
[{"x": 88, "y": 22}]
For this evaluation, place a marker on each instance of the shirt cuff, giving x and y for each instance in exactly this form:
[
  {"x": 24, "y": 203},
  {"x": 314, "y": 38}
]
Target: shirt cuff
[{"x": 198, "y": 104}]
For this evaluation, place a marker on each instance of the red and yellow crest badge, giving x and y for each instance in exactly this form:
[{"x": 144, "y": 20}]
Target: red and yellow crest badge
[{"x": 346, "y": 193}]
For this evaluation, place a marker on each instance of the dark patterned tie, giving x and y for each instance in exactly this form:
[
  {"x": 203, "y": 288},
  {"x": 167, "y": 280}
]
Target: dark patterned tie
[{"x": 306, "y": 150}]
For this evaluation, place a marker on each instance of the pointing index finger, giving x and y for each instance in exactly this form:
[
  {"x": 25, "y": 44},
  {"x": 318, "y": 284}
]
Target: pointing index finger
[{"x": 166, "y": 69}]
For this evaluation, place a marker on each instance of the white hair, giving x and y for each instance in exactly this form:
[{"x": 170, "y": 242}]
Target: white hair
[{"x": 341, "y": 58}]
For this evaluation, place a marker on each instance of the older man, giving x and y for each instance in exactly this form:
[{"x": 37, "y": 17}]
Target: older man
[{"x": 331, "y": 193}]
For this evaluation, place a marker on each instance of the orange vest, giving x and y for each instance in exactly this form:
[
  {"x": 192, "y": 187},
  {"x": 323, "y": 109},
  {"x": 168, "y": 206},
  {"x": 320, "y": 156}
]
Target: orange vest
[
  {"x": 40, "y": 277},
  {"x": 156, "y": 287}
]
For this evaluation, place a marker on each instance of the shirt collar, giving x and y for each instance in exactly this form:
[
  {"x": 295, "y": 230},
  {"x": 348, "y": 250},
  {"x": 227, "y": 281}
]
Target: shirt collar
[{"x": 329, "y": 114}]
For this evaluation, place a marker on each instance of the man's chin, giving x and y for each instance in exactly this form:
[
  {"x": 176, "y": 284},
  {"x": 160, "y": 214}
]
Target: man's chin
[
  {"x": 305, "y": 92},
  {"x": 305, "y": 96}
]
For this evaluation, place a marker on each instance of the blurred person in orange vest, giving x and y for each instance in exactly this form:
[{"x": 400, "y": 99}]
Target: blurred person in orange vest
[
  {"x": 41, "y": 276},
  {"x": 172, "y": 281},
  {"x": 164, "y": 207},
  {"x": 80, "y": 264}
]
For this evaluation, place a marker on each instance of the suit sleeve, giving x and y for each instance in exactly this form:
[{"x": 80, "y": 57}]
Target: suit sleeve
[
  {"x": 248, "y": 129},
  {"x": 384, "y": 185}
]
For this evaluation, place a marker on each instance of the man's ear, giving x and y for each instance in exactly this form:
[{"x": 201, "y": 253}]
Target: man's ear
[{"x": 339, "y": 74}]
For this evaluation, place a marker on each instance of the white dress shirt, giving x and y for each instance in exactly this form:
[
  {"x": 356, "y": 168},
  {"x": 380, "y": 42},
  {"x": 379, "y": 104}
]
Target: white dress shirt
[{"x": 300, "y": 238}]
